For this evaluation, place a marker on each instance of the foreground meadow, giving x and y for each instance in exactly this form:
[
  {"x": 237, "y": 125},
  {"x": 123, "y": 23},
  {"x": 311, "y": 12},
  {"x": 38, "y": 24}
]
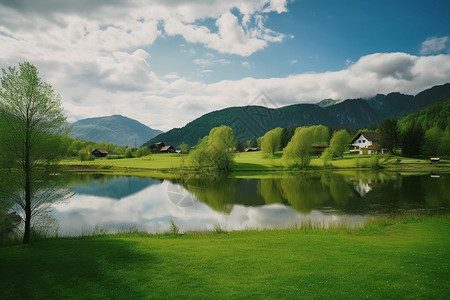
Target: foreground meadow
[{"x": 403, "y": 259}]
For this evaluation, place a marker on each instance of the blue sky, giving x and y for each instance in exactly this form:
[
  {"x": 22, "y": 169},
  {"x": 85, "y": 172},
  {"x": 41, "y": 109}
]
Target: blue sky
[
  {"x": 165, "y": 63},
  {"x": 323, "y": 36}
]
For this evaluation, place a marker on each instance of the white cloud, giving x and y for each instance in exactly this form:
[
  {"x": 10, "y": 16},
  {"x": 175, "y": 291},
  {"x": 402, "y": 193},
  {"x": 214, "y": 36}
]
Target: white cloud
[
  {"x": 434, "y": 45},
  {"x": 93, "y": 54}
]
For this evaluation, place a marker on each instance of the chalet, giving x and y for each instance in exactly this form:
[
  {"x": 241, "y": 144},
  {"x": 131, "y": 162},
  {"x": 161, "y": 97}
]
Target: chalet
[
  {"x": 156, "y": 148},
  {"x": 251, "y": 149},
  {"x": 319, "y": 148},
  {"x": 167, "y": 149},
  {"x": 366, "y": 143},
  {"x": 99, "y": 152}
]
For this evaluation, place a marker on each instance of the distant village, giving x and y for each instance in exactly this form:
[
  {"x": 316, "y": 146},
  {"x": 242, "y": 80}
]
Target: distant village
[{"x": 362, "y": 143}]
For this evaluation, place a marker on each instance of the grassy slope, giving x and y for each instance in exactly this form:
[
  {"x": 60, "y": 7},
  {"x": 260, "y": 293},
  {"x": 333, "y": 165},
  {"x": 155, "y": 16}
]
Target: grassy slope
[{"x": 403, "y": 260}]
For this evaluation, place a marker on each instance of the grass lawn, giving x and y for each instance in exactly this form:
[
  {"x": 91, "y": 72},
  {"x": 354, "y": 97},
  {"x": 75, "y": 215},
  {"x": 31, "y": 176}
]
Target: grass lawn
[
  {"x": 407, "y": 259},
  {"x": 251, "y": 162}
]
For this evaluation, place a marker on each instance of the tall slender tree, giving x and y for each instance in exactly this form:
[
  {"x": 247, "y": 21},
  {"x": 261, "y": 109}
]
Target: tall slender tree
[
  {"x": 30, "y": 136},
  {"x": 389, "y": 136}
]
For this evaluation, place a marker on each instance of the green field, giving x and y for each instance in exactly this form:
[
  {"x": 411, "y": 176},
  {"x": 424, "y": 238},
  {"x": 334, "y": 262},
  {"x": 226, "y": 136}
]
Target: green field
[
  {"x": 250, "y": 162},
  {"x": 403, "y": 259}
]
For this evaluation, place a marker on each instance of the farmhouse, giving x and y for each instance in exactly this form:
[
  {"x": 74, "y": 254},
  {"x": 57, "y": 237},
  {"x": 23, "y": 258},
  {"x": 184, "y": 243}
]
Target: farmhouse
[
  {"x": 167, "y": 149},
  {"x": 251, "y": 149},
  {"x": 319, "y": 148},
  {"x": 156, "y": 148},
  {"x": 99, "y": 152},
  {"x": 367, "y": 143}
]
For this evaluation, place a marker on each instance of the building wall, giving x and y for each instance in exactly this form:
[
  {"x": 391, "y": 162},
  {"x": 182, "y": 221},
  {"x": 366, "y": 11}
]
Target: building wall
[{"x": 362, "y": 142}]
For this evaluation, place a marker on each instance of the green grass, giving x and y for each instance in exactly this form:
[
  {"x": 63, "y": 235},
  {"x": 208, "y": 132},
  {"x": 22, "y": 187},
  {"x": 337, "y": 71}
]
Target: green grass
[
  {"x": 402, "y": 259},
  {"x": 249, "y": 162}
]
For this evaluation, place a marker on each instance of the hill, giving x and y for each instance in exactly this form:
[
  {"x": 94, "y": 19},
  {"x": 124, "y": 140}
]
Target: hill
[
  {"x": 436, "y": 115},
  {"x": 115, "y": 129},
  {"x": 251, "y": 122}
]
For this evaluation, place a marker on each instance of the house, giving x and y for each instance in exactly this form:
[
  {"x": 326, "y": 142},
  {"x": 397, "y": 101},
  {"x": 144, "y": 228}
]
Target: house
[
  {"x": 167, "y": 149},
  {"x": 156, "y": 148},
  {"x": 251, "y": 149},
  {"x": 97, "y": 152},
  {"x": 319, "y": 148},
  {"x": 367, "y": 143}
]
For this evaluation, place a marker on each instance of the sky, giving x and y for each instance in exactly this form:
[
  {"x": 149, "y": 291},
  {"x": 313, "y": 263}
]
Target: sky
[{"x": 165, "y": 63}]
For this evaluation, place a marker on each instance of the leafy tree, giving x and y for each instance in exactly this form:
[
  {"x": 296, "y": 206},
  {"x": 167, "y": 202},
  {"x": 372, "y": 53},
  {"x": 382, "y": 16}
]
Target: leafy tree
[
  {"x": 32, "y": 126},
  {"x": 321, "y": 134},
  {"x": 128, "y": 153},
  {"x": 271, "y": 141},
  {"x": 389, "y": 136},
  {"x": 213, "y": 150},
  {"x": 444, "y": 144},
  {"x": 412, "y": 139},
  {"x": 432, "y": 141},
  {"x": 184, "y": 148},
  {"x": 288, "y": 133},
  {"x": 299, "y": 149},
  {"x": 339, "y": 143}
]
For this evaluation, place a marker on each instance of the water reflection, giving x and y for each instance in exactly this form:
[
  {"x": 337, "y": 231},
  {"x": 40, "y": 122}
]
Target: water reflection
[{"x": 199, "y": 203}]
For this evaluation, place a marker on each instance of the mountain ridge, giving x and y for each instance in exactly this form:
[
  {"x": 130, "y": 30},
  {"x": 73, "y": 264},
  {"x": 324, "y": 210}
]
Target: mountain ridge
[
  {"x": 251, "y": 122},
  {"x": 116, "y": 129}
]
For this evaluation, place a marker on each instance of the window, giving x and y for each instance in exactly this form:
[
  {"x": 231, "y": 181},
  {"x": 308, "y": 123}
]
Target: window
[
  {"x": 359, "y": 141},
  {"x": 364, "y": 141}
]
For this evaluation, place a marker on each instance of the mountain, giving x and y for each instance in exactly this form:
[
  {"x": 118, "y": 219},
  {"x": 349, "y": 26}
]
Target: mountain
[
  {"x": 115, "y": 129},
  {"x": 251, "y": 122},
  {"x": 437, "y": 114}
]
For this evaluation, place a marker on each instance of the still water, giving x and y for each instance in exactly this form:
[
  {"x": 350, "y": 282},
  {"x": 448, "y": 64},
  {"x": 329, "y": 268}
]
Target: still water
[{"x": 194, "y": 203}]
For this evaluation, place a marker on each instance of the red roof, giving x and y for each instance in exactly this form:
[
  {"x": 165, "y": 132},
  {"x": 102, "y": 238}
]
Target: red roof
[{"x": 165, "y": 148}]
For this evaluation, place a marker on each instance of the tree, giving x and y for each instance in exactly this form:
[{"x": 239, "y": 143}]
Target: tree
[
  {"x": 299, "y": 149},
  {"x": 213, "y": 150},
  {"x": 412, "y": 139},
  {"x": 339, "y": 143},
  {"x": 432, "y": 141},
  {"x": 184, "y": 148},
  {"x": 271, "y": 141},
  {"x": 321, "y": 134},
  {"x": 32, "y": 126},
  {"x": 388, "y": 130}
]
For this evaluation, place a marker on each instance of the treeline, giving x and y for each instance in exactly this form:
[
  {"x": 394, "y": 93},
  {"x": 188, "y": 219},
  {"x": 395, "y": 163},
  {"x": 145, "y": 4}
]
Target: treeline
[{"x": 83, "y": 149}]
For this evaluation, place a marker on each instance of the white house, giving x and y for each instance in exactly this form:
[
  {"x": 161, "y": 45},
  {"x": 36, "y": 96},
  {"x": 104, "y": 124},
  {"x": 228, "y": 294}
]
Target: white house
[{"x": 366, "y": 143}]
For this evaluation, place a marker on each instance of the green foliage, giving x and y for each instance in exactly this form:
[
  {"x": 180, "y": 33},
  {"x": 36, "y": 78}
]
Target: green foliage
[
  {"x": 142, "y": 151},
  {"x": 412, "y": 139},
  {"x": 432, "y": 141},
  {"x": 31, "y": 137},
  {"x": 128, "y": 153},
  {"x": 298, "y": 151},
  {"x": 213, "y": 150},
  {"x": 271, "y": 141},
  {"x": 389, "y": 134},
  {"x": 321, "y": 134},
  {"x": 339, "y": 143},
  {"x": 437, "y": 115},
  {"x": 174, "y": 229},
  {"x": 184, "y": 148}
]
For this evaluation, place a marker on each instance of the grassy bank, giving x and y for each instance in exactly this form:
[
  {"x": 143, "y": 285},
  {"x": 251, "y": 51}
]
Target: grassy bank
[
  {"x": 403, "y": 259},
  {"x": 153, "y": 165}
]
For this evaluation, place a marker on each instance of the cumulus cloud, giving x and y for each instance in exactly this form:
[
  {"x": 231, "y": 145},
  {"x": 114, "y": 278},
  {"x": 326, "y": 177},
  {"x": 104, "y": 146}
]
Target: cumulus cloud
[
  {"x": 434, "y": 45},
  {"x": 92, "y": 52}
]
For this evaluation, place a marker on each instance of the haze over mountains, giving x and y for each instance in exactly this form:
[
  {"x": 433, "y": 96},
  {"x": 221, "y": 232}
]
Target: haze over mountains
[
  {"x": 251, "y": 122},
  {"x": 115, "y": 129}
]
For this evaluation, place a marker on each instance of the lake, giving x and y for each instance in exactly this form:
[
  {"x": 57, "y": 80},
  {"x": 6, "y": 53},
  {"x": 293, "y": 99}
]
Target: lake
[{"x": 195, "y": 203}]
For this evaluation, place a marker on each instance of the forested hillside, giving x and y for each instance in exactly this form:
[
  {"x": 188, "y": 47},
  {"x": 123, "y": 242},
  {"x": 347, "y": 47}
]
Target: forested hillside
[
  {"x": 436, "y": 115},
  {"x": 252, "y": 122}
]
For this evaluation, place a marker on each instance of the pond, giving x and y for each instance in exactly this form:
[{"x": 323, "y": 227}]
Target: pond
[{"x": 194, "y": 203}]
